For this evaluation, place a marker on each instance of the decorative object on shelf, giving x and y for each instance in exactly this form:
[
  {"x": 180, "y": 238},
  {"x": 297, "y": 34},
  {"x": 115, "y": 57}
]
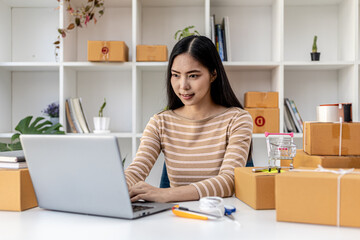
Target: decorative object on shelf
[
  {"x": 315, "y": 55},
  {"x": 185, "y": 33},
  {"x": 151, "y": 53},
  {"x": 107, "y": 51},
  {"x": 101, "y": 123},
  {"x": 79, "y": 17},
  {"x": 38, "y": 126},
  {"x": 53, "y": 112}
]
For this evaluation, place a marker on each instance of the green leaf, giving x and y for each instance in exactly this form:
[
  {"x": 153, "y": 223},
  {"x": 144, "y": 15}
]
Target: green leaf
[
  {"x": 101, "y": 12},
  {"x": 15, "y": 137},
  {"x": 87, "y": 8},
  {"x": 77, "y": 21}
]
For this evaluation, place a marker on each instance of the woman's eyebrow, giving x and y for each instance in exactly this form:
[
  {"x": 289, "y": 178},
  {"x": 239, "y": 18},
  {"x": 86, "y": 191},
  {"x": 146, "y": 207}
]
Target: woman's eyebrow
[{"x": 191, "y": 71}]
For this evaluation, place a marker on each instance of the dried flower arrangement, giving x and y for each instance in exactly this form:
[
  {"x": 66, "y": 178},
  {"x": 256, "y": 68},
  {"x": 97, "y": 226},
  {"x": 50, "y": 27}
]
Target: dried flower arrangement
[
  {"x": 52, "y": 110},
  {"x": 79, "y": 17}
]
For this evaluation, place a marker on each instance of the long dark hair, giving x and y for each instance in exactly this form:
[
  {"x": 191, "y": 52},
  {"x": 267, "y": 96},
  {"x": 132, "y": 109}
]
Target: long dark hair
[{"x": 204, "y": 51}]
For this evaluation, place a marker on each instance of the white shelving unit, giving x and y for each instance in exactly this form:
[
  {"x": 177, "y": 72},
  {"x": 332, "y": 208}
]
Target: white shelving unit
[{"x": 271, "y": 42}]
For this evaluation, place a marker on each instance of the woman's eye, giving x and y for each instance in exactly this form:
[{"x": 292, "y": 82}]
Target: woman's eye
[
  {"x": 193, "y": 76},
  {"x": 175, "y": 75}
]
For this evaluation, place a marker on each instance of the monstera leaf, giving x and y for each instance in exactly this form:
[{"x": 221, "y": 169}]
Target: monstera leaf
[{"x": 38, "y": 126}]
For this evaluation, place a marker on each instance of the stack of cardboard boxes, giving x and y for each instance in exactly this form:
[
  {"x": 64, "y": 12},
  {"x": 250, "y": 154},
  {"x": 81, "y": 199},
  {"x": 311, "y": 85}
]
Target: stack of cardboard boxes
[
  {"x": 264, "y": 110},
  {"x": 318, "y": 191}
]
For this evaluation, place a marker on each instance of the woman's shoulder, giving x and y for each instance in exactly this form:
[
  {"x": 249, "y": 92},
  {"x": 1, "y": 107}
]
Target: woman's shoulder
[{"x": 239, "y": 112}]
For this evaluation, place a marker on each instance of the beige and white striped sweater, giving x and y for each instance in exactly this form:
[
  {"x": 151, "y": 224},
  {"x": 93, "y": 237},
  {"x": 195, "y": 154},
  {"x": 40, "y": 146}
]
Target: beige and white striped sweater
[{"x": 203, "y": 152}]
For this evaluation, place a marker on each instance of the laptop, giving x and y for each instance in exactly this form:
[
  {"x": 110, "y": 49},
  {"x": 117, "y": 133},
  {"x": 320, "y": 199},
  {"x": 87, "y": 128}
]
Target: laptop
[{"x": 82, "y": 174}]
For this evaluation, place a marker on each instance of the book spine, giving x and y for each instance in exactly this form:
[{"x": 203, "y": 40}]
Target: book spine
[
  {"x": 69, "y": 118},
  {"x": 74, "y": 116},
  {"x": 288, "y": 104},
  {"x": 288, "y": 125},
  {"x": 79, "y": 115},
  {"x": 227, "y": 37},
  {"x": 212, "y": 28},
  {"x": 220, "y": 40},
  {"x": 298, "y": 116},
  {"x": 83, "y": 114}
]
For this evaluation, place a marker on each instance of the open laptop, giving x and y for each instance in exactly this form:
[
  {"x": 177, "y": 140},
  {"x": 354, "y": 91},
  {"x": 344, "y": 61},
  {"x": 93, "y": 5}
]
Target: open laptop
[{"x": 82, "y": 174}]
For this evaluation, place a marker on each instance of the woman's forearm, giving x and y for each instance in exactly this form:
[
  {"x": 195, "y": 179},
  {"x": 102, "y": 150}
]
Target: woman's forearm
[{"x": 183, "y": 193}]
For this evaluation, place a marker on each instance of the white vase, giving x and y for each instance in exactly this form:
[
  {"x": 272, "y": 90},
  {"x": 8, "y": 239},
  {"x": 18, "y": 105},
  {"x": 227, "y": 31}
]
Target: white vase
[{"x": 101, "y": 124}]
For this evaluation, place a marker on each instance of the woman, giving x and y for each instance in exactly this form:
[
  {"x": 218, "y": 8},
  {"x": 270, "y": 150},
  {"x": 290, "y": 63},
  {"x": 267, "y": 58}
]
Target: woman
[{"x": 204, "y": 135}]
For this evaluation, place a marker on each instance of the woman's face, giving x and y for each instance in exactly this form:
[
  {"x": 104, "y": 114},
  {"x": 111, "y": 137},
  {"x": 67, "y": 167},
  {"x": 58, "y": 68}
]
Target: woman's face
[{"x": 191, "y": 81}]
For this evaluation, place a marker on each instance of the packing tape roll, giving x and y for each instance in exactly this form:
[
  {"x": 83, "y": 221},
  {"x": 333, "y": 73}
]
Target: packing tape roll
[
  {"x": 327, "y": 113},
  {"x": 212, "y": 205}
]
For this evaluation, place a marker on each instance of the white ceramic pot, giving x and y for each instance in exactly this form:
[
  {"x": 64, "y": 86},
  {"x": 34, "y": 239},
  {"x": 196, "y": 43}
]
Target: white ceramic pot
[{"x": 101, "y": 124}]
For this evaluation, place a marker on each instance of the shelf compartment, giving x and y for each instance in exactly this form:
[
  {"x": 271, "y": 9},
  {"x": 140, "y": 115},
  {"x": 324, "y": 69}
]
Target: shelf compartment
[
  {"x": 310, "y": 88},
  {"x": 93, "y": 87},
  {"x": 114, "y": 25},
  {"x": 25, "y": 93},
  {"x": 255, "y": 28},
  {"x": 151, "y": 97},
  {"x": 332, "y": 21},
  {"x": 317, "y": 65},
  {"x": 28, "y": 31},
  {"x": 29, "y": 66},
  {"x": 168, "y": 17}
]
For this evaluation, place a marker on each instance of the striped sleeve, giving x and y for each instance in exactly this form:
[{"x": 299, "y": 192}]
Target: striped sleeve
[
  {"x": 236, "y": 155},
  {"x": 146, "y": 155}
]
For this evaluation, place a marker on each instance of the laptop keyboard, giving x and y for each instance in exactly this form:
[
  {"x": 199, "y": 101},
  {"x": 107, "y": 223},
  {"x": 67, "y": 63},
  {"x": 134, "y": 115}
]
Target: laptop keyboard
[{"x": 137, "y": 208}]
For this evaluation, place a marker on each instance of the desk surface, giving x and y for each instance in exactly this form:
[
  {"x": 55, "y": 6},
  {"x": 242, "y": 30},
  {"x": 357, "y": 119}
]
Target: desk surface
[{"x": 261, "y": 224}]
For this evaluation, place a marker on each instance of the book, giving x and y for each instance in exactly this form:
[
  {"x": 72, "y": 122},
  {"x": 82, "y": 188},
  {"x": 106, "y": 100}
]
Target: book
[
  {"x": 226, "y": 26},
  {"x": 13, "y": 165},
  {"x": 220, "y": 41},
  {"x": 289, "y": 124},
  {"x": 212, "y": 28},
  {"x": 80, "y": 115},
  {"x": 70, "y": 125},
  {"x": 73, "y": 115},
  {"x": 12, "y": 156},
  {"x": 293, "y": 117},
  {"x": 297, "y": 114}
]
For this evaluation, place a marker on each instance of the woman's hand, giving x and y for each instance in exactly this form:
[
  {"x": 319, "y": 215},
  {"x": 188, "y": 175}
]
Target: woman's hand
[{"x": 145, "y": 191}]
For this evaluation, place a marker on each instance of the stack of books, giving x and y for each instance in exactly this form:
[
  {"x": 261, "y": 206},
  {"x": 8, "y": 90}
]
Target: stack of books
[
  {"x": 220, "y": 35},
  {"x": 12, "y": 160},
  {"x": 293, "y": 120},
  {"x": 76, "y": 120}
]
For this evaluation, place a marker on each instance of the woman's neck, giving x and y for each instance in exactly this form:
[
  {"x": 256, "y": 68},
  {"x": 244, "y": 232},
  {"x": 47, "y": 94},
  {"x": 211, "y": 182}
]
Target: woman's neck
[{"x": 198, "y": 113}]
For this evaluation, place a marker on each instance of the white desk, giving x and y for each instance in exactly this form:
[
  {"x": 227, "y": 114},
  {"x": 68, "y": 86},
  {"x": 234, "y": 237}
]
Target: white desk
[{"x": 50, "y": 225}]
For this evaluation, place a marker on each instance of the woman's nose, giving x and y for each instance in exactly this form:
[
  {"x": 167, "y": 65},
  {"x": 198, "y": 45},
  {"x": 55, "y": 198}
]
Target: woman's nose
[{"x": 184, "y": 83}]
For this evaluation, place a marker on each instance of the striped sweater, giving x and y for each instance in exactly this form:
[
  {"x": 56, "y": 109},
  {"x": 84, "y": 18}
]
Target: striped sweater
[{"x": 203, "y": 152}]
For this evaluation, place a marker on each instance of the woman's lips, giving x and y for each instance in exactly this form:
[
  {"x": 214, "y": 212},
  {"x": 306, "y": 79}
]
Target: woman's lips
[{"x": 187, "y": 96}]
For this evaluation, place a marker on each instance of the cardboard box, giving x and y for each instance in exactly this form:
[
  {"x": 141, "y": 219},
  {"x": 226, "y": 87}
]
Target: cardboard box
[
  {"x": 255, "y": 189},
  {"x": 16, "y": 190},
  {"x": 107, "y": 51},
  {"x": 261, "y": 99},
  {"x": 151, "y": 53},
  {"x": 264, "y": 119},
  {"x": 324, "y": 138},
  {"x": 302, "y": 159},
  {"x": 312, "y": 197}
]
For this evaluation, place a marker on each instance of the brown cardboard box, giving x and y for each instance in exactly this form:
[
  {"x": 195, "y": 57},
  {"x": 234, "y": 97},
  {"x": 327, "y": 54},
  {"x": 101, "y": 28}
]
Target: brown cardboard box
[
  {"x": 302, "y": 159},
  {"x": 151, "y": 53},
  {"x": 107, "y": 51},
  {"x": 311, "y": 197},
  {"x": 264, "y": 119},
  {"x": 255, "y": 189},
  {"x": 323, "y": 138},
  {"x": 261, "y": 99},
  {"x": 16, "y": 190}
]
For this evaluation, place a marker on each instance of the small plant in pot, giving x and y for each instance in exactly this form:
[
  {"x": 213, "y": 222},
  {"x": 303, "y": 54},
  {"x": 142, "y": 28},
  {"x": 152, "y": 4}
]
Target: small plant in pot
[
  {"x": 101, "y": 123},
  {"x": 315, "y": 55}
]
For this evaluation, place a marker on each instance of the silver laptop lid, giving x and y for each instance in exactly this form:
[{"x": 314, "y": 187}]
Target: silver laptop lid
[{"x": 82, "y": 174}]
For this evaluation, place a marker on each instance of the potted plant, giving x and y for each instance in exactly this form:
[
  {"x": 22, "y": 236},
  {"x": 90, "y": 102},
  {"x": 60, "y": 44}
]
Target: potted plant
[
  {"x": 315, "y": 55},
  {"x": 101, "y": 123},
  {"x": 185, "y": 32},
  {"x": 53, "y": 112}
]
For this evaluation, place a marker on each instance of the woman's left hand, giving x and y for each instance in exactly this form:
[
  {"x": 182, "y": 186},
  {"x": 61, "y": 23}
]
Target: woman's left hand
[{"x": 145, "y": 191}]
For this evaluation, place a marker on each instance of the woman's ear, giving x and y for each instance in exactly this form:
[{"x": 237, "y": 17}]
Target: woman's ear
[{"x": 213, "y": 75}]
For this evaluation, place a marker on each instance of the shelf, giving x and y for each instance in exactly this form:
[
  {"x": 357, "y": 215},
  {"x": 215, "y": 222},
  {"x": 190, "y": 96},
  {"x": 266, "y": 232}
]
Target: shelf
[
  {"x": 31, "y": 3},
  {"x": 172, "y": 3},
  {"x": 152, "y": 66},
  {"x": 317, "y": 65},
  {"x": 233, "y": 66},
  {"x": 98, "y": 66},
  {"x": 231, "y": 3},
  {"x": 6, "y": 135},
  {"x": 29, "y": 66},
  {"x": 311, "y": 2},
  {"x": 115, "y": 134}
]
